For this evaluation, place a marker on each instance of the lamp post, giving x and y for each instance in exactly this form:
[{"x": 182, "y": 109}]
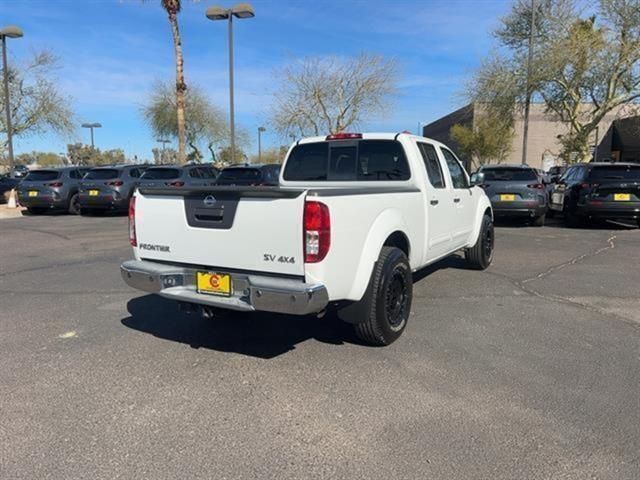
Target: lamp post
[
  {"x": 164, "y": 142},
  {"x": 10, "y": 31},
  {"x": 91, "y": 126},
  {"x": 241, "y": 10},
  {"x": 260, "y": 130}
]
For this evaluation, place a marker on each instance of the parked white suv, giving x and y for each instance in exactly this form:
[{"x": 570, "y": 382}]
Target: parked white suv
[{"x": 353, "y": 217}]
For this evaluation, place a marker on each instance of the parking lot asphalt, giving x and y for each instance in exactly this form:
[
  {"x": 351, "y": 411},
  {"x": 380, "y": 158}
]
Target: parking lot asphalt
[{"x": 529, "y": 370}]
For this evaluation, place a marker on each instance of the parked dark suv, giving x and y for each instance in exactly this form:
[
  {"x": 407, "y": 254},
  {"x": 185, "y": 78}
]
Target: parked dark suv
[
  {"x": 51, "y": 189},
  {"x": 514, "y": 191},
  {"x": 250, "y": 174},
  {"x": 598, "y": 191},
  {"x": 179, "y": 176},
  {"x": 109, "y": 188}
]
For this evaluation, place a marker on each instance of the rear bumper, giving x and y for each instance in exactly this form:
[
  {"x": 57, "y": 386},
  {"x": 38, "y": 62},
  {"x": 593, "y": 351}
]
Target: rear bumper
[
  {"x": 249, "y": 292},
  {"x": 518, "y": 209},
  {"x": 106, "y": 201},
  {"x": 42, "y": 201},
  {"x": 609, "y": 210}
]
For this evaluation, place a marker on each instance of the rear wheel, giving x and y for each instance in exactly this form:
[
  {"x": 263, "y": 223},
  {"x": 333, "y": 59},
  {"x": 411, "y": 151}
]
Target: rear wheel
[
  {"x": 386, "y": 304},
  {"x": 74, "y": 205},
  {"x": 539, "y": 221},
  {"x": 480, "y": 255},
  {"x": 572, "y": 220}
]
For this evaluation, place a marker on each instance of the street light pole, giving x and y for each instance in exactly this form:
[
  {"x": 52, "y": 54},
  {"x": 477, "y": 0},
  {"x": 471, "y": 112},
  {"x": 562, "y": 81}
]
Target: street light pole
[
  {"x": 260, "y": 130},
  {"x": 527, "y": 102},
  {"x": 242, "y": 10},
  {"x": 11, "y": 32},
  {"x": 91, "y": 126}
]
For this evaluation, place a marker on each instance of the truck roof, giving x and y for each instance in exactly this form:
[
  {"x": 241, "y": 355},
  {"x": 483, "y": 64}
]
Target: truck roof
[{"x": 370, "y": 136}]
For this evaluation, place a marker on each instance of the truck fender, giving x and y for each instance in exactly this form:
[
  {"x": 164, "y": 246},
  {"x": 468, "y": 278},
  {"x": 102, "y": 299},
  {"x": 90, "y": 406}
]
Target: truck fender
[
  {"x": 483, "y": 205},
  {"x": 388, "y": 222}
]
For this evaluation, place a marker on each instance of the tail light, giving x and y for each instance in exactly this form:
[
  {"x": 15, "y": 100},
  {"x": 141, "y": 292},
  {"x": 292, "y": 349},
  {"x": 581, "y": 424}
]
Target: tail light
[
  {"x": 132, "y": 222},
  {"x": 317, "y": 231},
  {"x": 117, "y": 183},
  {"x": 539, "y": 186},
  {"x": 176, "y": 184},
  {"x": 55, "y": 184},
  {"x": 344, "y": 136},
  {"x": 589, "y": 185}
]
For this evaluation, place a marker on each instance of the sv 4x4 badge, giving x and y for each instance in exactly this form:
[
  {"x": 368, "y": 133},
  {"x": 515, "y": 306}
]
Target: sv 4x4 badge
[{"x": 280, "y": 259}]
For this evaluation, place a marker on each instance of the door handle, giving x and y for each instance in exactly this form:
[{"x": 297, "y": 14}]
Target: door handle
[
  {"x": 456, "y": 200},
  {"x": 434, "y": 202}
]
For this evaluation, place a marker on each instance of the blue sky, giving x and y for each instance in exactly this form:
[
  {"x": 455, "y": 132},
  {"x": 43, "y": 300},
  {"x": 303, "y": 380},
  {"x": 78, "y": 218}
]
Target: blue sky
[{"x": 112, "y": 51}]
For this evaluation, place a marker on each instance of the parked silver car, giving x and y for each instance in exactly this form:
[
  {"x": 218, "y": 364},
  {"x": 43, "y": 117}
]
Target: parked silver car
[
  {"x": 108, "y": 188},
  {"x": 514, "y": 191},
  {"x": 51, "y": 189},
  {"x": 177, "y": 176}
]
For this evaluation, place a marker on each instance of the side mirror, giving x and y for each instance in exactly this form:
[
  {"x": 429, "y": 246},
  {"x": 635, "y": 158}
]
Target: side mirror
[{"x": 477, "y": 178}]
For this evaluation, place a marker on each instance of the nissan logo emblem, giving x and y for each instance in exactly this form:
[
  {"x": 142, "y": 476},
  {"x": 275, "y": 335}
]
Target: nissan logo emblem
[{"x": 209, "y": 201}]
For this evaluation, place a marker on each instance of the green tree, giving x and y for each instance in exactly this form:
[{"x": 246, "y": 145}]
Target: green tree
[
  {"x": 173, "y": 7},
  {"x": 80, "y": 154},
  {"x": 42, "y": 159},
  {"x": 205, "y": 123},
  {"x": 487, "y": 141},
  {"x": 319, "y": 95},
  {"x": 224, "y": 155},
  {"x": 583, "y": 67},
  {"x": 271, "y": 155},
  {"x": 37, "y": 104}
]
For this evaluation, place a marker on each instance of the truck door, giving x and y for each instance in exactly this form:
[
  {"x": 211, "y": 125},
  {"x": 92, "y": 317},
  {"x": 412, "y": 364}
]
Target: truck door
[
  {"x": 439, "y": 199},
  {"x": 463, "y": 199}
]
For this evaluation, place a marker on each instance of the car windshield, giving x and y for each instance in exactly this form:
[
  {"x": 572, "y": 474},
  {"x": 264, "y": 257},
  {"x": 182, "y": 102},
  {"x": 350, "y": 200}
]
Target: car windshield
[
  {"x": 239, "y": 175},
  {"x": 102, "y": 174},
  {"x": 508, "y": 174},
  {"x": 616, "y": 172},
  {"x": 42, "y": 176},
  {"x": 160, "y": 174},
  {"x": 363, "y": 160}
]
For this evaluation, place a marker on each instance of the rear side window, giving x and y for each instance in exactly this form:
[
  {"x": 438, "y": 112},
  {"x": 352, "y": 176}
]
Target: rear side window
[
  {"x": 616, "y": 172},
  {"x": 431, "y": 162},
  {"x": 160, "y": 174},
  {"x": 509, "y": 174},
  {"x": 42, "y": 176},
  {"x": 102, "y": 174},
  {"x": 458, "y": 177},
  {"x": 364, "y": 160}
]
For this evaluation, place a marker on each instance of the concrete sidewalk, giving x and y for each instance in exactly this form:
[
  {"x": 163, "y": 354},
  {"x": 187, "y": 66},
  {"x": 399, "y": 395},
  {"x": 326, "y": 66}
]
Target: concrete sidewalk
[{"x": 6, "y": 212}]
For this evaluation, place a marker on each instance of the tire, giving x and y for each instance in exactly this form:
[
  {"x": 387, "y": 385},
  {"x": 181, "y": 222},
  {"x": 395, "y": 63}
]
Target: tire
[
  {"x": 386, "y": 304},
  {"x": 479, "y": 256},
  {"x": 551, "y": 213},
  {"x": 36, "y": 210},
  {"x": 539, "y": 220},
  {"x": 74, "y": 205}
]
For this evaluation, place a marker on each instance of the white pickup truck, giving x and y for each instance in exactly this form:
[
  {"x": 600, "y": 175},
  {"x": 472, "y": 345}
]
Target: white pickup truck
[{"x": 353, "y": 217}]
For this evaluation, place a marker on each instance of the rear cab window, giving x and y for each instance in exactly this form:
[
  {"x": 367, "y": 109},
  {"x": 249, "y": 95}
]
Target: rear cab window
[
  {"x": 42, "y": 176},
  {"x": 351, "y": 160},
  {"x": 102, "y": 174}
]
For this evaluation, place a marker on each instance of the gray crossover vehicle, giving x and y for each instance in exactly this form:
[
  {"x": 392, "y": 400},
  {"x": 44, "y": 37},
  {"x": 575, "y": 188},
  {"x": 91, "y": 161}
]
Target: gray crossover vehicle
[
  {"x": 179, "y": 176},
  {"x": 51, "y": 189},
  {"x": 108, "y": 188},
  {"x": 514, "y": 191}
]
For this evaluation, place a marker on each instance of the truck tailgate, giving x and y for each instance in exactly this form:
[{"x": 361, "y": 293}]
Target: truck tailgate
[{"x": 258, "y": 229}]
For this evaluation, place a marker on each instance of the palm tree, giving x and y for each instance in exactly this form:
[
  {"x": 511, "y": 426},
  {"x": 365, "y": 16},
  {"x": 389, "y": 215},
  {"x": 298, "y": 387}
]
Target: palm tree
[{"x": 172, "y": 8}]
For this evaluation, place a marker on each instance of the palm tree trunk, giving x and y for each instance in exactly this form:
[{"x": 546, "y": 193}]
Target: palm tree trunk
[{"x": 181, "y": 88}]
